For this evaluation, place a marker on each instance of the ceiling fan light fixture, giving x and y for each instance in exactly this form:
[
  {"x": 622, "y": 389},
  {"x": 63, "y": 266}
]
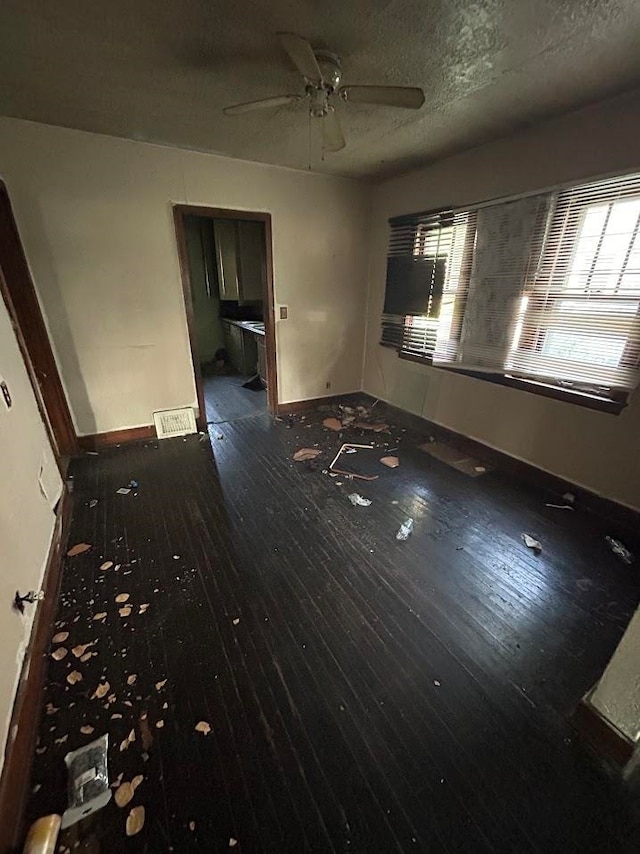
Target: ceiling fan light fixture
[{"x": 322, "y": 75}]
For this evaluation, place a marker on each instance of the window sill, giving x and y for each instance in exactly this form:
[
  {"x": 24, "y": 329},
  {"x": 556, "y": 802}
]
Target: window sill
[{"x": 590, "y": 401}]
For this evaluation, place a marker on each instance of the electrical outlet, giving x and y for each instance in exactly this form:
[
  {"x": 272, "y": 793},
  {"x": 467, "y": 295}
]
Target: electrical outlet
[{"x": 328, "y": 384}]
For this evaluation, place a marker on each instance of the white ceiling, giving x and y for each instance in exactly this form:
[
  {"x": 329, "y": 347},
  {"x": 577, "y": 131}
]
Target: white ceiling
[{"x": 161, "y": 70}]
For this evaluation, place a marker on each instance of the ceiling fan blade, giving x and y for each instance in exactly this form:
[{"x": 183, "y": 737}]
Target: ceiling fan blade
[
  {"x": 262, "y": 104},
  {"x": 332, "y": 136},
  {"x": 302, "y": 56},
  {"x": 409, "y": 97}
]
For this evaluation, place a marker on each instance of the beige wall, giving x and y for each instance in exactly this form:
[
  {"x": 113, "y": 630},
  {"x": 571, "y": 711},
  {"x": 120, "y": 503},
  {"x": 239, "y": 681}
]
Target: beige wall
[
  {"x": 599, "y": 451},
  {"x": 617, "y": 694},
  {"x": 95, "y": 217},
  {"x": 29, "y": 487}
]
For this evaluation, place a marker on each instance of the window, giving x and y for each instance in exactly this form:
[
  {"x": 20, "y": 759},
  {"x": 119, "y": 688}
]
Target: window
[
  {"x": 427, "y": 279},
  {"x": 542, "y": 292},
  {"x": 579, "y": 321}
]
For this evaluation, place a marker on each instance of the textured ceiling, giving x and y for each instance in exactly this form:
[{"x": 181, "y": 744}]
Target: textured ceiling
[{"x": 162, "y": 71}]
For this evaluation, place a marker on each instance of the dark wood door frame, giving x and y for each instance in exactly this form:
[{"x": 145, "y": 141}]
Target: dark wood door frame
[
  {"x": 19, "y": 294},
  {"x": 179, "y": 213}
]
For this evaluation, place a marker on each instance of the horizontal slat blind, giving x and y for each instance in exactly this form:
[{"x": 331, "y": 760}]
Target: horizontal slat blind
[
  {"x": 505, "y": 256},
  {"x": 579, "y": 317},
  {"x": 425, "y": 260}
]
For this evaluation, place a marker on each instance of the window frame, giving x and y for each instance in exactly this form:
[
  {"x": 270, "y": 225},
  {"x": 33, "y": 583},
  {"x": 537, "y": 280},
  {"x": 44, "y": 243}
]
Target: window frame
[
  {"x": 543, "y": 302},
  {"x": 611, "y": 401}
]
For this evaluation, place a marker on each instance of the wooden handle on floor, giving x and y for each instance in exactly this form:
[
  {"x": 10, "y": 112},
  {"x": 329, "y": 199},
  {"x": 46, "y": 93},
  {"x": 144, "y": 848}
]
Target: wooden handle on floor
[{"x": 43, "y": 835}]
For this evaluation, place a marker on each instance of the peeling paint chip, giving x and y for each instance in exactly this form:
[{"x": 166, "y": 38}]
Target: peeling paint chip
[
  {"x": 78, "y": 549},
  {"x": 136, "y": 781},
  {"x": 124, "y": 744},
  {"x": 390, "y": 462},
  {"x": 160, "y": 685},
  {"x": 124, "y": 794},
  {"x": 159, "y": 724},
  {"x": 74, "y": 677},
  {"x": 86, "y": 730},
  {"x": 80, "y": 650},
  {"x": 101, "y": 691},
  {"x": 106, "y": 565},
  {"x": 135, "y": 821},
  {"x": 203, "y": 727},
  {"x": 122, "y": 597},
  {"x": 143, "y": 608},
  {"x": 60, "y": 637},
  {"x": 116, "y": 716},
  {"x": 60, "y": 653},
  {"x": 236, "y": 621},
  {"x": 306, "y": 454},
  {"x": 62, "y": 740},
  {"x": 117, "y": 781},
  {"x": 131, "y": 679},
  {"x": 87, "y": 656},
  {"x": 125, "y": 611},
  {"x": 232, "y": 842},
  {"x": 100, "y": 616},
  {"x": 192, "y": 826}
]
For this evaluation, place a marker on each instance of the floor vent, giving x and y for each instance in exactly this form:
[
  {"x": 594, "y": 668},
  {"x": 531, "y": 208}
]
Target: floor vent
[{"x": 174, "y": 422}]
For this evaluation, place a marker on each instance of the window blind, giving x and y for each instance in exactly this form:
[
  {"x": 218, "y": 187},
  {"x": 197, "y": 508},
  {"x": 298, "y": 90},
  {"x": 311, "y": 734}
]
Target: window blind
[
  {"x": 427, "y": 267},
  {"x": 505, "y": 256},
  {"x": 545, "y": 287},
  {"x": 578, "y": 322}
]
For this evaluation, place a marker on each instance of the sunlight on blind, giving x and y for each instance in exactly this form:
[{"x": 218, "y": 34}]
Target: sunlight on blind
[
  {"x": 436, "y": 333},
  {"x": 581, "y": 323}
]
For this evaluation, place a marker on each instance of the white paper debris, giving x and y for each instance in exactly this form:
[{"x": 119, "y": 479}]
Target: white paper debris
[
  {"x": 358, "y": 500},
  {"x": 532, "y": 543}
]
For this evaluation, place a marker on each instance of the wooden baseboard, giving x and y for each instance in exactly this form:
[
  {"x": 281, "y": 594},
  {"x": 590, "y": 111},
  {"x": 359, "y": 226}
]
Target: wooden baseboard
[
  {"x": 601, "y": 734},
  {"x": 623, "y": 518},
  {"x": 313, "y": 402},
  {"x": 116, "y": 437},
  {"x": 27, "y": 706}
]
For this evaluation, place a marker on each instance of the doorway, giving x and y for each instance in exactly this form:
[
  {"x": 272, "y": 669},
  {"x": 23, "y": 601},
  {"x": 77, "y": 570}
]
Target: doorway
[
  {"x": 227, "y": 279},
  {"x": 19, "y": 294}
]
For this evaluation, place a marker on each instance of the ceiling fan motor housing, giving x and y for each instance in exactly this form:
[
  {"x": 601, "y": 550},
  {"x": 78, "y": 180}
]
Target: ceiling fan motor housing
[{"x": 330, "y": 67}]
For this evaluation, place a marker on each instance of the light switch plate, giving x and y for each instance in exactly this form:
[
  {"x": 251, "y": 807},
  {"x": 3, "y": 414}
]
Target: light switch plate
[{"x": 284, "y": 312}]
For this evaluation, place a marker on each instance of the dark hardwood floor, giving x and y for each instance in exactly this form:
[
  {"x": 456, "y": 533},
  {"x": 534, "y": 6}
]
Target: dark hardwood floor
[
  {"x": 364, "y": 694},
  {"x": 226, "y": 399}
]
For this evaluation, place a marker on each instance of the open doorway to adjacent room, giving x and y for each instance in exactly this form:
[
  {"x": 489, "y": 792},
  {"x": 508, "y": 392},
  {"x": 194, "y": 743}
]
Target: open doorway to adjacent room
[{"x": 226, "y": 266}]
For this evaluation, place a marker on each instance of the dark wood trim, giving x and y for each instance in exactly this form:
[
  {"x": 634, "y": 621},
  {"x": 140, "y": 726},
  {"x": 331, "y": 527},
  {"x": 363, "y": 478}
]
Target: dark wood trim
[
  {"x": 27, "y": 706},
  {"x": 623, "y": 518},
  {"x": 19, "y": 294},
  {"x": 95, "y": 441},
  {"x": 179, "y": 212},
  {"x": 269, "y": 314},
  {"x": 314, "y": 402},
  {"x": 601, "y": 734},
  {"x": 185, "y": 277},
  {"x": 578, "y": 398}
]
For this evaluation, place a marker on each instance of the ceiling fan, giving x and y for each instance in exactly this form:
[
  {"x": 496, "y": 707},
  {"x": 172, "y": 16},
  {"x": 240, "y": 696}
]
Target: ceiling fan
[{"x": 322, "y": 76}]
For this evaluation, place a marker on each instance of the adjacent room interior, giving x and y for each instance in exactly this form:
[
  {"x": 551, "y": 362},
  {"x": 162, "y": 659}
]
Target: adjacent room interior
[
  {"x": 319, "y": 355},
  {"x": 227, "y": 293}
]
